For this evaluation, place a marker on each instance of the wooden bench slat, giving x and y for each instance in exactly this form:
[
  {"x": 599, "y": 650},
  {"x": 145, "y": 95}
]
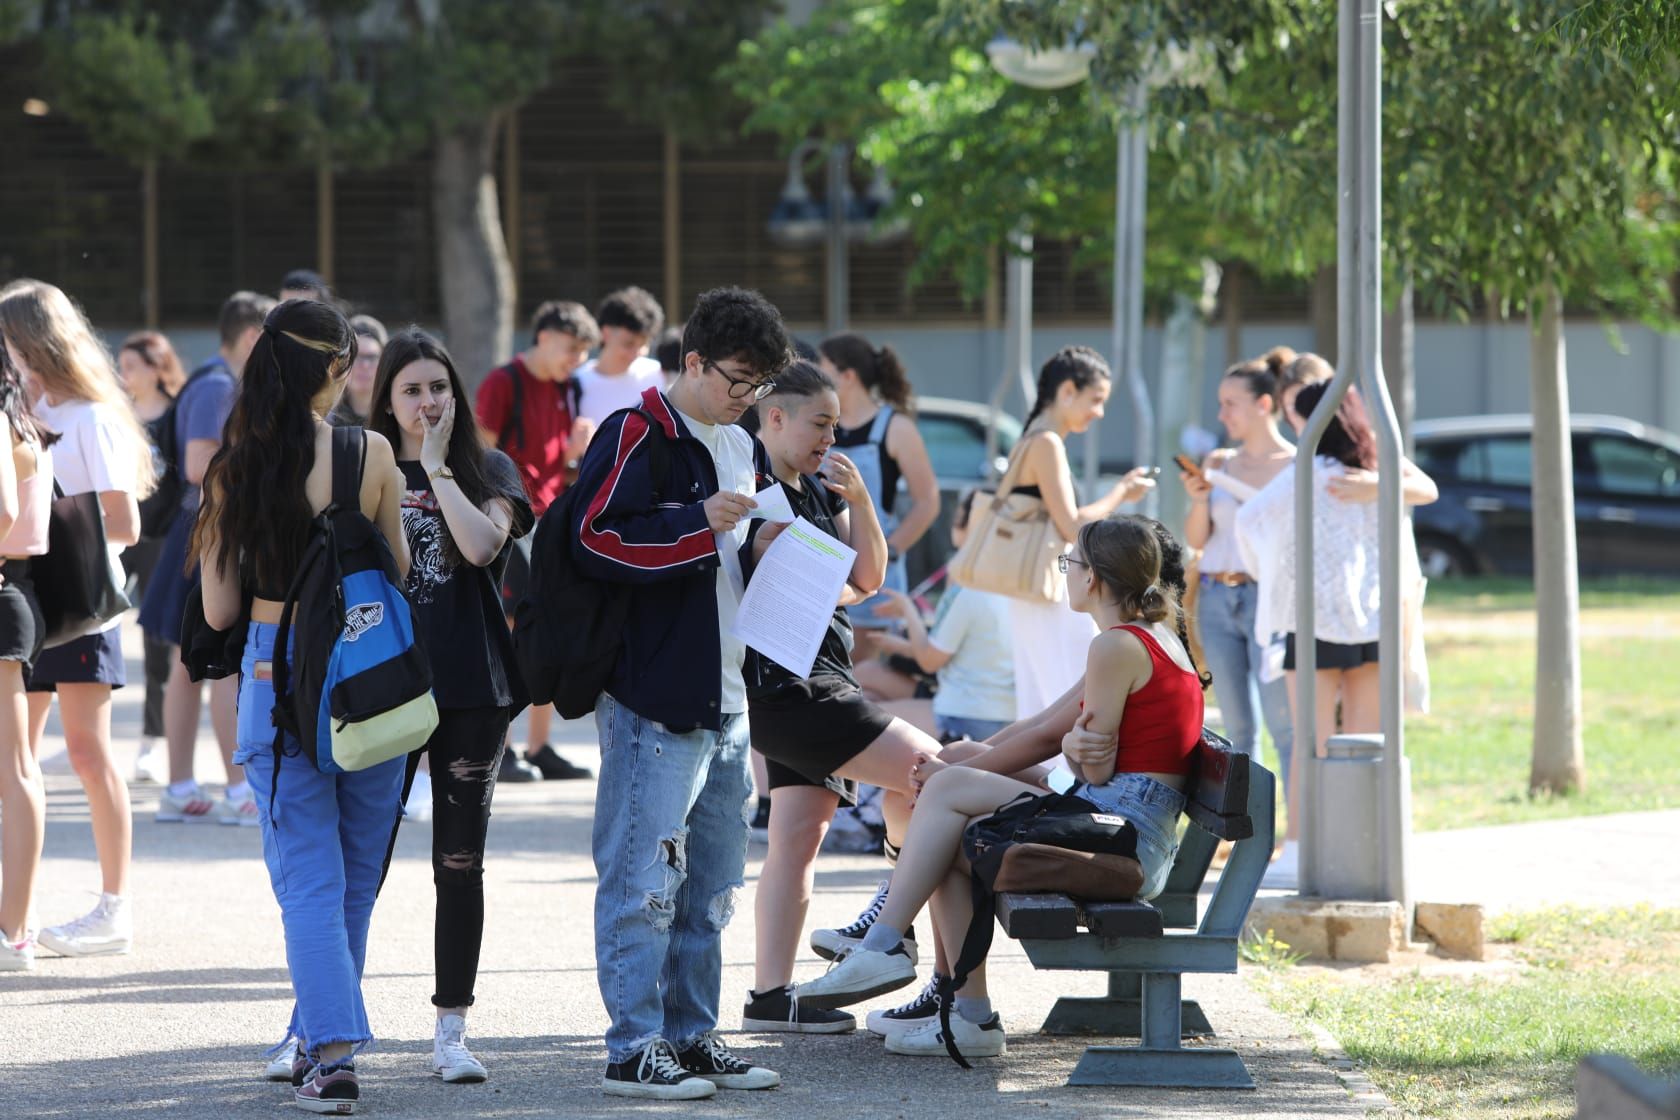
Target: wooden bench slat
[
  {"x": 1123, "y": 919},
  {"x": 1049, "y": 917}
]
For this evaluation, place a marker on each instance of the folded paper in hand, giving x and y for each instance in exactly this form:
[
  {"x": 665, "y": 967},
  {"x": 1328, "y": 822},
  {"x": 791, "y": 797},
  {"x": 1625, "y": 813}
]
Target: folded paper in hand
[{"x": 794, "y": 590}]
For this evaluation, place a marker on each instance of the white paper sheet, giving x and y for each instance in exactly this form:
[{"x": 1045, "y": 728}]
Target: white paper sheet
[
  {"x": 786, "y": 610},
  {"x": 774, "y": 505}
]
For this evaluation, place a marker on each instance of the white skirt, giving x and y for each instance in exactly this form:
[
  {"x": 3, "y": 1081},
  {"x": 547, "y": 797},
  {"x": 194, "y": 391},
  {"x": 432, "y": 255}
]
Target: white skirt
[{"x": 1052, "y": 642}]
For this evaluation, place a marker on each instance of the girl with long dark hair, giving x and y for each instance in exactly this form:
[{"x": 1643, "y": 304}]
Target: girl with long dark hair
[
  {"x": 461, "y": 508},
  {"x": 26, "y": 487},
  {"x": 324, "y": 835}
]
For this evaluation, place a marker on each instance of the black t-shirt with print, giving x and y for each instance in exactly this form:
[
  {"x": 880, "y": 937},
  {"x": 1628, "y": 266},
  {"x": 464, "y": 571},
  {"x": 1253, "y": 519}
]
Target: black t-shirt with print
[
  {"x": 458, "y": 605},
  {"x": 765, "y": 678}
]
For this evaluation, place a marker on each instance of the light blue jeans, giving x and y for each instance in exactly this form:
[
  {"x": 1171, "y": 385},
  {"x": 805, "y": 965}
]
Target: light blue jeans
[
  {"x": 1226, "y": 616},
  {"x": 1153, "y": 809},
  {"x": 670, "y": 843},
  {"x": 952, "y": 728},
  {"x": 324, "y": 840}
]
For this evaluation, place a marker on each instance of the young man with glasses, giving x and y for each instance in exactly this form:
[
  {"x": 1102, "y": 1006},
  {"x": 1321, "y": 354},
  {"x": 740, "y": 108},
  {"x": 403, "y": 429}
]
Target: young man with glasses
[{"x": 670, "y": 842}]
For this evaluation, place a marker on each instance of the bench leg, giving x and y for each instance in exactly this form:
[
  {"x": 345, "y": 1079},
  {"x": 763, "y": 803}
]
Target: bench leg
[
  {"x": 1118, "y": 1013},
  {"x": 1161, "y": 1062}
]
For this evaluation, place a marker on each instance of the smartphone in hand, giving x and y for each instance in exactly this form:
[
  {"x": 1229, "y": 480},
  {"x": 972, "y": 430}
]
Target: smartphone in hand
[{"x": 1188, "y": 465}]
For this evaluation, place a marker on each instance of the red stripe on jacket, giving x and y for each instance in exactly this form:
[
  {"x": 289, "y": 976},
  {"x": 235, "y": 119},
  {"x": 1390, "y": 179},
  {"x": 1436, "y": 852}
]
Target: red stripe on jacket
[{"x": 609, "y": 545}]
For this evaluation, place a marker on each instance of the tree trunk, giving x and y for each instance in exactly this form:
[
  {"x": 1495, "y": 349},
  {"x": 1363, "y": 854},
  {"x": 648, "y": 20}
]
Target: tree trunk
[
  {"x": 1558, "y": 764},
  {"x": 1321, "y": 310},
  {"x": 1399, "y": 363},
  {"x": 475, "y": 277}
]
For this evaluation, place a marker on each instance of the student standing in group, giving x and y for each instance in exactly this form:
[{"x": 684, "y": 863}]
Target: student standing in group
[
  {"x": 616, "y": 378},
  {"x": 1225, "y": 604},
  {"x": 528, "y": 409},
  {"x": 1050, "y": 640},
  {"x": 153, "y": 376},
  {"x": 201, "y": 410},
  {"x": 463, "y": 508},
  {"x": 306, "y": 283},
  {"x": 356, "y": 405},
  {"x": 324, "y": 835},
  {"x": 101, "y": 449},
  {"x": 670, "y": 842},
  {"x": 26, "y": 489},
  {"x": 878, "y": 432}
]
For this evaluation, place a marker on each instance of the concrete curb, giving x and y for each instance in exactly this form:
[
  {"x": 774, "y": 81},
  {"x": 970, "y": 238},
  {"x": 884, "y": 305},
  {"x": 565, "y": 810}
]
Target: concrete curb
[{"x": 1349, "y": 1072}]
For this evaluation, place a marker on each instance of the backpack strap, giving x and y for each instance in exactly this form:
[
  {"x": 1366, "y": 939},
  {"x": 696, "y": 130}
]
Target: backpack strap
[
  {"x": 349, "y": 459},
  {"x": 514, "y": 426},
  {"x": 659, "y": 449}
]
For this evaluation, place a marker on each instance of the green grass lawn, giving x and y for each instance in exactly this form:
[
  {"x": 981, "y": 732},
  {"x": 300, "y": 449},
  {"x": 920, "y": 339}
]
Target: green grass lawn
[
  {"x": 1470, "y": 755},
  {"x": 1503, "y": 1045}
]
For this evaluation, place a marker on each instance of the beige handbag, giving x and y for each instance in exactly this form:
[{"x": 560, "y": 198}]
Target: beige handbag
[{"x": 1012, "y": 546}]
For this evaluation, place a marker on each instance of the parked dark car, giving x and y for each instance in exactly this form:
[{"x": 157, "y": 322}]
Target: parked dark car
[
  {"x": 1627, "y": 496},
  {"x": 955, "y": 434}
]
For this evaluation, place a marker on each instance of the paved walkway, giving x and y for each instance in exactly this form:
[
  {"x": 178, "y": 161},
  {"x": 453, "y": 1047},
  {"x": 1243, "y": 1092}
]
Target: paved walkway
[{"x": 180, "y": 1024}]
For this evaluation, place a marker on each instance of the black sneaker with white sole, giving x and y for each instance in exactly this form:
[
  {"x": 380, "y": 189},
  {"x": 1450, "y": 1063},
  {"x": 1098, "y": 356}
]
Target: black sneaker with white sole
[
  {"x": 832, "y": 943},
  {"x": 779, "y": 1010},
  {"x": 709, "y": 1058},
  {"x": 918, "y": 1012},
  {"x": 655, "y": 1074}
]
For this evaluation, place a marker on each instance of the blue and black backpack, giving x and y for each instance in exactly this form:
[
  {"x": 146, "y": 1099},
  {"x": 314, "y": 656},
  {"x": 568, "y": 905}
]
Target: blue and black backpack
[{"x": 356, "y": 688}]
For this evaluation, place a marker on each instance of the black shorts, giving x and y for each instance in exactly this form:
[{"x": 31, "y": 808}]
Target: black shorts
[
  {"x": 1333, "y": 655},
  {"x": 21, "y": 626},
  {"x": 813, "y": 727},
  {"x": 93, "y": 659}
]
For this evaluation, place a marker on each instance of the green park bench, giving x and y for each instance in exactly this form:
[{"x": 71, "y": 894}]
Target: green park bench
[{"x": 1229, "y": 798}]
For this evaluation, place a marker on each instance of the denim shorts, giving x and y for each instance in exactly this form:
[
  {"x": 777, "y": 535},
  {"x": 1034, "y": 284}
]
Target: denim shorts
[{"x": 1153, "y": 809}]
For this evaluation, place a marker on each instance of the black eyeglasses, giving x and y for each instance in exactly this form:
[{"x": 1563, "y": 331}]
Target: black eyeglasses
[
  {"x": 742, "y": 386},
  {"x": 1063, "y": 561}
]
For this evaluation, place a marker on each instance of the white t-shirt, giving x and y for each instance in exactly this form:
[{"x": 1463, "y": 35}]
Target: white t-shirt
[
  {"x": 93, "y": 453},
  {"x": 604, "y": 394},
  {"x": 979, "y": 680},
  {"x": 732, "y": 454}
]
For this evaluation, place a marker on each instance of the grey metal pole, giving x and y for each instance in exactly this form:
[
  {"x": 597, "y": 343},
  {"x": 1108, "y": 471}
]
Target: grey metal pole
[
  {"x": 1131, "y": 201},
  {"x": 1396, "y": 799},
  {"x": 1018, "y": 302},
  {"x": 837, "y": 298}
]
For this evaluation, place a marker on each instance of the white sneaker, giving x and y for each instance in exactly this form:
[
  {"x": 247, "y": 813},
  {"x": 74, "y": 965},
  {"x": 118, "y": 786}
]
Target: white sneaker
[
  {"x": 192, "y": 806},
  {"x": 859, "y": 975},
  {"x": 975, "y": 1040},
  {"x": 17, "y": 956},
  {"x": 279, "y": 1067},
  {"x": 418, "y": 807},
  {"x": 107, "y": 928},
  {"x": 242, "y": 812},
  {"x": 917, "y": 1013},
  {"x": 832, "y": 943},
  {"x": 1284, "y": 874},
  {"x": 451, "y": 1060},
  {"x": 150, "y": 765}
]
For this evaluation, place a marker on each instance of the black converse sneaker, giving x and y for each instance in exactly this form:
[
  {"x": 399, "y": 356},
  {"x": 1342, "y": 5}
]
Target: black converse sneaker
[
  {"x": 654, "y": 1073},
  {"x": 779, "y": 1009},
  {"x": 918, "y": 1012},
  {"x": 830, "y": 944},
  {"x": 709, "y": 1058}
]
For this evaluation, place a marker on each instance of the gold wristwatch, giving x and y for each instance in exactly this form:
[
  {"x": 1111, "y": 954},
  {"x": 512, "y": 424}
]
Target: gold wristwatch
[{"x": 441, "y": 472}]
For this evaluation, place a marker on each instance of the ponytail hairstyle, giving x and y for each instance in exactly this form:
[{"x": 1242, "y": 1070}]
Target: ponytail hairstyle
[
  {"x": 1175, "y": 579},
  {"x": 57, "y": 344},
  {"x": 14, "y": 405},
  {"x": 1079, "y": 364},
  {"x": 1261, "y": 375},
  {"x": 466, "y": 454},
  {"x": 159, "y": 357},
  {"x": 881, "y": 371},
  {"x": 255, "y": 510},
  {"x": 1302, "y": 369},
  {"x": 1125, "y": 556},
  {"x": 1348, "y": 439}
]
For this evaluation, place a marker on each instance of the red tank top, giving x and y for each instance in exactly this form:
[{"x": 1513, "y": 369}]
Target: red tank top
[{"x": 1162, "y": 722}]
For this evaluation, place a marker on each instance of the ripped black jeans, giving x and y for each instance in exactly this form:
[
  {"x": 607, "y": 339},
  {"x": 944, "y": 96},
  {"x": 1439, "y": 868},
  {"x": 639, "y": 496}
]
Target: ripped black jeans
[{"x": 465, "y": 753}]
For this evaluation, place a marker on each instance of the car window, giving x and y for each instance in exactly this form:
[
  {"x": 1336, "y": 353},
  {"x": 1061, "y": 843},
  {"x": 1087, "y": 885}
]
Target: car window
[
  {"x": 956, "y": 445},
  {"x": 1632, "y": 468},
  {"x": 1438, "y": 458},
  {"x": 1498, "y": 461}
]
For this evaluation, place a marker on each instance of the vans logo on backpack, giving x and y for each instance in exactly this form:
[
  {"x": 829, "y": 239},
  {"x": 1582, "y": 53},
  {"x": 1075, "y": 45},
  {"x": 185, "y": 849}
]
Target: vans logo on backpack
[{"x": 358, "y": 620}]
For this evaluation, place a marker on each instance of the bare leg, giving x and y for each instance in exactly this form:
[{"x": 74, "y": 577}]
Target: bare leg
[
  {"x": 181, "y": 698},
  {"x": 953, "y": 910},
  {"x": 1362, "y": 700},
  {"x": 23, "y": 819},
  {"x": 799, "y": 817},
  {"x": 887, "y": 761},
  {"x": 880, "y": 682},
  {"x": 537, "y": 722},
  {"x": 224, "y": 720},
  {"x": 85, "y": 710}
]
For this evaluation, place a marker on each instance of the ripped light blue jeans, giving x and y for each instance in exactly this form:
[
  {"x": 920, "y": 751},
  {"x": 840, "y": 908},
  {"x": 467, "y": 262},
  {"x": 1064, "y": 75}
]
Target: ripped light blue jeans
[
  {"x": 670, "y": 844},
  {"x": 1153, "y": 809}
]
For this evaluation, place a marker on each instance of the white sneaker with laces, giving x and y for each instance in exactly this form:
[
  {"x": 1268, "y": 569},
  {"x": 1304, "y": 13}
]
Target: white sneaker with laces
[
  {"x": 17, "y": 956},
  {"x": 859, "y": 975},
  {"x": 106, "y": 929},
  {"x": 191, "y": 806},
  {"x": 830, "y": 944},
  {"x": 451, "y": 1060},
  {"x": 279, "y": 1067},
  {"x": 242, "y": 812},
  {"x": 918, "y": 1012},
  {"x": 150, "y": 765},
  {"x": 975, "y": 1040}
]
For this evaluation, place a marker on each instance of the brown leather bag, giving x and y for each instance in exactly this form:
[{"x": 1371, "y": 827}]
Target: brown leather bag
[{"x": 1090, "y": 876}]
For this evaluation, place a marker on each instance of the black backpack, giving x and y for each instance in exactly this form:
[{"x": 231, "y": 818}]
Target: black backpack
[
  {"x": 513, "y": 428},
  {"x": 163, "y": 505},
  {"x": 569, "y": 628}
]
